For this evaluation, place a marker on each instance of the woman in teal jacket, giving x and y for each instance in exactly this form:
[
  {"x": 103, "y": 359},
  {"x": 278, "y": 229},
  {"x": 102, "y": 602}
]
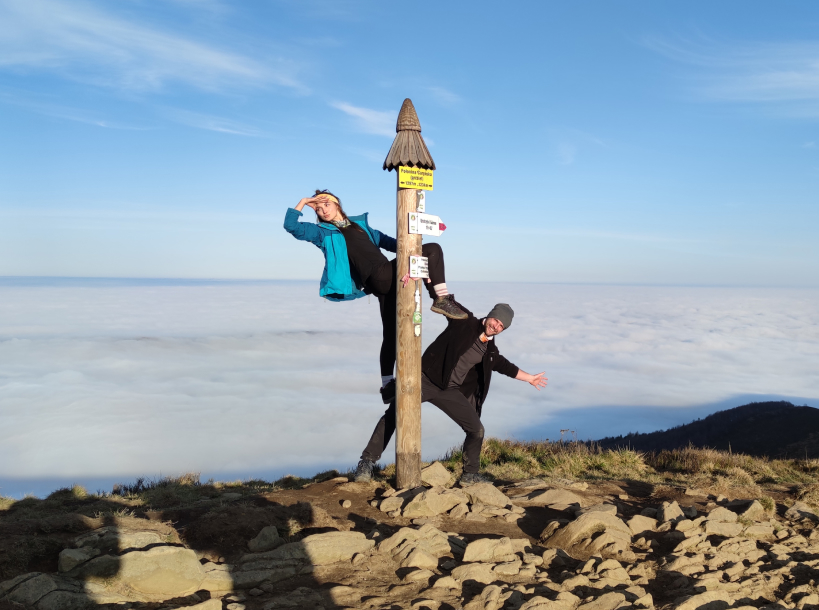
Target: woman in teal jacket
[{"x": 354, "y": 266}]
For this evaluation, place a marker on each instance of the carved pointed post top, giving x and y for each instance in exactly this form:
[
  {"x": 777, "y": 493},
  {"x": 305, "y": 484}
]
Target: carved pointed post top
[{"x": 408, "y": 148}]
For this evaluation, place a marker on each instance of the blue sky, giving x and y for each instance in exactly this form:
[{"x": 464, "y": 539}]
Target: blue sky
[{"x": 628, "y": 142}]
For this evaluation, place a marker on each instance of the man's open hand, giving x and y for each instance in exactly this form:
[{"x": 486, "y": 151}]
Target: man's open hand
[{"x": 538, "y": 381}]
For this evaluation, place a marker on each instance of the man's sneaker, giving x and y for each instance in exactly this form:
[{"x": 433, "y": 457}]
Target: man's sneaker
[
  {"x": 388, "y": 392},
  {"x": 471, "y": 478},
  {"x": 364, "y": 470},
  {"x": 447, "y": 306}
]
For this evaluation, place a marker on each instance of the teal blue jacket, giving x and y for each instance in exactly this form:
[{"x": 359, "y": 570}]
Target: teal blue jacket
[{"x": 336, "y": 282}]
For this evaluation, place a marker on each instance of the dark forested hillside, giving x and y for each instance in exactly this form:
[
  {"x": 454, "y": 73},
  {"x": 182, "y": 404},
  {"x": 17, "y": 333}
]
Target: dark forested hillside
[{"x": 773, "y": 429}]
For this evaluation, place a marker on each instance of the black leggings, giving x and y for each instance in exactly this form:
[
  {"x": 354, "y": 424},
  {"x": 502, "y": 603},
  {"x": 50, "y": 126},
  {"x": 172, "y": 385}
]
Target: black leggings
[{"x": 382, "y": 283}]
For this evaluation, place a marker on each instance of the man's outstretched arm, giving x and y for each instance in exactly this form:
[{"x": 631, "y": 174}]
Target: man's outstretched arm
[{"x": 538, "y": 381}]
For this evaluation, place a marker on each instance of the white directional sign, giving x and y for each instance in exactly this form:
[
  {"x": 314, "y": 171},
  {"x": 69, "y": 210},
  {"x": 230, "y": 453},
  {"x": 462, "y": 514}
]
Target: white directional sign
[
  {"x": 425, "y": 224},
  {"x": 419, "y": 266}
]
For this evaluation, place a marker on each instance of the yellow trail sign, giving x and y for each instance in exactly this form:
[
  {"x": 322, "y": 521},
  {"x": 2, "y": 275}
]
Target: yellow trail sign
[{"x": 414, "y": 178}]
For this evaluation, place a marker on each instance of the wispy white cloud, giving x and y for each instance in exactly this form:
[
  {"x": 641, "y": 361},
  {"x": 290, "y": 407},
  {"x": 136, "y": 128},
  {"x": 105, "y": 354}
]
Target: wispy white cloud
[
  {"x": 567, "y": 153},
  {"x": 68, "y": 113},
  {"x": 754, "y": 72},
  {"x": 810, "y": 144},
  {"x": 444, "y": 96},
  {"x": 86, "y": 43},
  {"x": 377, "y": 122},
  {"x": 211, "y": 123}
]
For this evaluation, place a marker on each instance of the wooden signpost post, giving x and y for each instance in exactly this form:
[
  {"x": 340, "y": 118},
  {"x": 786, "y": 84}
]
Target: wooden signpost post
[{"x": 413, "y": 164}]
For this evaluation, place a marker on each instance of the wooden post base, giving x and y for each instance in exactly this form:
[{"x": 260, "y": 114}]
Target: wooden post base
[{"x": 407, "y": 470}]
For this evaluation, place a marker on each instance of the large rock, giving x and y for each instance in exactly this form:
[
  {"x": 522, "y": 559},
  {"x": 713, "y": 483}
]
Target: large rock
[
  {"x": 436, "y": 475},
  {"x": 266, "y": 540},
  {"x": 486, "y": 493},
  {"x": 427, "y": 538},
  {"x": 722, "y": 515},
  {"x": 722, "y": 528},
  {"x": 489, "y": 550},
  {"x": 800, "y": 511},
  {"x": 608, "y": 601},
  {"x": 639, "y": 524},
  {"x": 488, "y": 599},
  {"x": 670, "y": 511},
  {"x": 710, "y": 600},
  {"x": 587, "y": 525},
  {"x": 112, "y": 538},
  {"x": 554, "y": 497},
  {"x": 30, "y": 588},
  {"x": 434, "y": 502},
  {"x": 168, "y": 571},
  {"x": 71, "y": 558},
  {"x": 479, "y": 572},
  {"x": 754, "y": 512},
  {"x": 323, "y": 549}
]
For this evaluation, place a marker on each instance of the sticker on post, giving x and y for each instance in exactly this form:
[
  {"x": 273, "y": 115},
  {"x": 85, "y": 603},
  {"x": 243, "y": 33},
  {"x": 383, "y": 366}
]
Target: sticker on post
[
  {"x": 419, "y": 266},
  {"x": 414, "y": 178},
  {"x": 425, "y": 224},
  {"x": 420, "y": 201}
]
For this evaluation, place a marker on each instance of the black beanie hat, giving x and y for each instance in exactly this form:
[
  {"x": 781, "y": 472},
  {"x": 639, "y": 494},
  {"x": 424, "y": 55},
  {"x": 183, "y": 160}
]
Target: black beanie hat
[{"x": 502, "y": 312}]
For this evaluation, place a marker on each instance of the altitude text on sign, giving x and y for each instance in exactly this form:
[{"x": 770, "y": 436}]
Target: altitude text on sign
[{"x": 414, "y": 178}]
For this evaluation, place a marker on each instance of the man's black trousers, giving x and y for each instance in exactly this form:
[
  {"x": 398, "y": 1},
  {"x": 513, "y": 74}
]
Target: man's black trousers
[
  {"x": 451, "y": 402},
  {"x": 382, "y": 283}
]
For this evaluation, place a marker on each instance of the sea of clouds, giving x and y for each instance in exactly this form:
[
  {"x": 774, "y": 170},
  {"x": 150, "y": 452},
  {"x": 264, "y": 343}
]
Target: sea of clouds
[{"x": 106, "y": 380}]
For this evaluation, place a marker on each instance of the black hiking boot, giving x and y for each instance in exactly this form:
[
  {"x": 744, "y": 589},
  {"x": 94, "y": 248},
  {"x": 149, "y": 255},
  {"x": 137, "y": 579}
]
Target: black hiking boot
[
  {"x": 364, "y": 470},
  {"x": 472, "y": 478},
  {"x": 448, "y": 307},
  {"x": 388, "y": 392}
]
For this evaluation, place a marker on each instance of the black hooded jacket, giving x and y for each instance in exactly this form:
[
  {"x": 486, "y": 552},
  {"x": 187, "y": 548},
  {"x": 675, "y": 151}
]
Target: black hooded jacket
[{"x": 442, "y": 355}]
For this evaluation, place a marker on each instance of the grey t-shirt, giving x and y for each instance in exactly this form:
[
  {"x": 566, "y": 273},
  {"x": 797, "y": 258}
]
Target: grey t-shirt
[{"x": 471, "y": 357}]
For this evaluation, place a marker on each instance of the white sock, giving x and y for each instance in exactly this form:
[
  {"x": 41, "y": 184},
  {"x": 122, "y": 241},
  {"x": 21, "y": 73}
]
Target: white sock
[
  {"x": 440, "y": 290},
  {"x": 385, "y": 379}
]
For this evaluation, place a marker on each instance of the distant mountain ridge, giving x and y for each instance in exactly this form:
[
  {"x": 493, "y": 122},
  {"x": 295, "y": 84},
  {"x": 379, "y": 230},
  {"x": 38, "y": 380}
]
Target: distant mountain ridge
[{"x": 773, "y": 429}]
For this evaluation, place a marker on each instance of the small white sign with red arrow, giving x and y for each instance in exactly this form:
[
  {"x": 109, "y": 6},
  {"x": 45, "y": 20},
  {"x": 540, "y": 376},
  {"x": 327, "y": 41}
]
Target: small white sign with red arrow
[{"x": 425, "y": 224}]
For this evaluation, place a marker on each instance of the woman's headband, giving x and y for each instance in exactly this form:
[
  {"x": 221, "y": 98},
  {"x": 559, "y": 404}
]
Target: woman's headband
[{"x": 329, "y": 196}]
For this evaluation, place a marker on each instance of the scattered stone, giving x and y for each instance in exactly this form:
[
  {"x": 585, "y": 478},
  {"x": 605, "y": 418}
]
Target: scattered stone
[
  {"x": 446, "y": 582},
  {"x": 266, "y": 540},
  {"x": 486, "y": 493},
  {"x": 303, "y": 597},
  {"x": 554, "y": 497},
  {"x": 608, "y": 601},
  {"x": 163, "y": 570},
  {"x": 422, "y": 575},
  {"x": 587, "y": 525},
  {"x": 800, "y": 511},
  {"x": 255, "y": 592},
  {"x": 669, "y": 511},
  {"x": 475, "y": 517},
  {"x": 754, "y": 512},
  {"x": 479, "y": 572},
  {"x": 434, "y": 501},
  {"x": 762, "y": 532},
  {"x": 710, "y": 600},
  {"x": 597, "y": 508},
  {"x": 346, "y": 504},
  {"x": 622, "y": 497},
  {"x": 722, "y": 515},
  {"x": 391, "y": 504},
  {"x": 459, "y": 511},
  {"x": 489, "y": 550},
  {"x": 436, "y": 475},
  {"x": 71, "y": 558},
  {"x": 721, "y": 528},
  {"x": 419, "y": 558}
]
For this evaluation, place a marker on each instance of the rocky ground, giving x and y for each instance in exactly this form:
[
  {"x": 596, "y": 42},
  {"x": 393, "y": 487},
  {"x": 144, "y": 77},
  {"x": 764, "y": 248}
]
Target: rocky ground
[{"x": 546, "y": 544}]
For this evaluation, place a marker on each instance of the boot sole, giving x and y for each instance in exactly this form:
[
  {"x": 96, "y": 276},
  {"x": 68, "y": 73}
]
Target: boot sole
[{"x": 451, "y": 316}]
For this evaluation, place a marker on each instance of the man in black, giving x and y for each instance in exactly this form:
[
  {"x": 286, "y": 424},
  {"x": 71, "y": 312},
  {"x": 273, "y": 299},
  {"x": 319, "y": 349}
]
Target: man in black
[{"x": 457, "y": 369}]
